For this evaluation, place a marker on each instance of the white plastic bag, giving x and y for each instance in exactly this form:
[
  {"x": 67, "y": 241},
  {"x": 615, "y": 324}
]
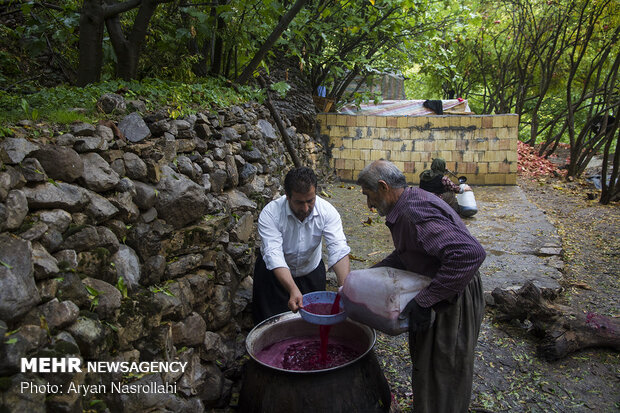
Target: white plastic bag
[
  {"x": 377, "y": 296},
  {"x": 467, "y": 202}
]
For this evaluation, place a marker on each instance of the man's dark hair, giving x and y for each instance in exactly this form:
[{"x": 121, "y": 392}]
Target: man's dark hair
[{"x": 299, "y": 180}]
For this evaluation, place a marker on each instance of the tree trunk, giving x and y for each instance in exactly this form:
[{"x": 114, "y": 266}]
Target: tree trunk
[
  {"x": 271, "y": 40},
  {"x": 127, "y": 62},
  {"x": 91, "y": 38},
  {"x": 127, "y": 48},
  {"x": 217, "y": 51},
  {"x": 276, "y": 117},
  {"x": 563, "y": 329},
  {"x": 610, "y": 190},
  {"x": 199, "y": 68}
]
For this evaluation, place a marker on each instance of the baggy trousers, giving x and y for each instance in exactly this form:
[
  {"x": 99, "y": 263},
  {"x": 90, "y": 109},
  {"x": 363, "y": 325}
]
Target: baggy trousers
[
  {"x": 443, "y": 355},
  {"x": 270, "y": 298},
  {"x": 449, "y": 198}
]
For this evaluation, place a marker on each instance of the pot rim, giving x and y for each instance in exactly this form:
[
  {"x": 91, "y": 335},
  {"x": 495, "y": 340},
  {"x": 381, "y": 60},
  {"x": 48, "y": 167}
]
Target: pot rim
[{"x": 287, "y": 316}]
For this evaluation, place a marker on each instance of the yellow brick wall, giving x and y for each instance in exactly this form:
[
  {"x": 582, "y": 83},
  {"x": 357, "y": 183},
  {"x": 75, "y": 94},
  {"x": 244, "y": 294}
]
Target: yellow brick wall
[{"x": 481, "y": 147}]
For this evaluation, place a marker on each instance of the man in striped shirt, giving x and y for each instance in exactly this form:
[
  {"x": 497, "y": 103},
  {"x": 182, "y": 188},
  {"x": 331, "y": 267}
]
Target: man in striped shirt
[{"x": 430, "y": 239}]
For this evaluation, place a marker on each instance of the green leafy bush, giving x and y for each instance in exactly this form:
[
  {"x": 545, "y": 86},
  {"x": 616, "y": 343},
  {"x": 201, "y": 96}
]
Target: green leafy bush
[{"x": 59, "y": 104}]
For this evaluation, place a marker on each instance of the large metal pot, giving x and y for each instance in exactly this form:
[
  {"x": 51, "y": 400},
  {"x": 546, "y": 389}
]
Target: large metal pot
[{"x": 358, "y": 385}]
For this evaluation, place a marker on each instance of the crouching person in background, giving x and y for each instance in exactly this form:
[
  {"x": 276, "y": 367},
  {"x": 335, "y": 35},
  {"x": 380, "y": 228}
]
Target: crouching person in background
[{"x": 434, "y": 180}]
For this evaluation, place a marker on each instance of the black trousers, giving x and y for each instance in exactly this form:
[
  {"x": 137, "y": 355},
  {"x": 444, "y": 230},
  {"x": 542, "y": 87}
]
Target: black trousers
[{"x": 270, "y": 298}]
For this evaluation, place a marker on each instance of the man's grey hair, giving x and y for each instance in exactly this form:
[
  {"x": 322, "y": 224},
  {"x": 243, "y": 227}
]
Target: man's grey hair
[{"x": 381, "y": 170}]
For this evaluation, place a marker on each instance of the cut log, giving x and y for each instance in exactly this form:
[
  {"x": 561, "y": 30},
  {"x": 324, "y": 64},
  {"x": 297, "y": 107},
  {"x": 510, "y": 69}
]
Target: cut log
[{"x": 563, "y": 329}]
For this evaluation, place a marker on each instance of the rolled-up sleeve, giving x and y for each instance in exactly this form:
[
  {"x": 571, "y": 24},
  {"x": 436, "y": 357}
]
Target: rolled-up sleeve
[
  {"x": 449, "y": 185},
  {"x": 271, "y": 239},
  {"x": 335, "y": 240}
]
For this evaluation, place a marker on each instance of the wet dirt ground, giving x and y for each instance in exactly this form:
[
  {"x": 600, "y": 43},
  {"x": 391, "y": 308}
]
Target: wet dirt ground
[{"x": 514, "y": 224}]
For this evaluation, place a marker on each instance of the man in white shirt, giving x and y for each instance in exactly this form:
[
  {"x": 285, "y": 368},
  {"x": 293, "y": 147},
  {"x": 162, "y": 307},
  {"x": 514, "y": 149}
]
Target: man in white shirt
[{"x": 290, "y": 264}]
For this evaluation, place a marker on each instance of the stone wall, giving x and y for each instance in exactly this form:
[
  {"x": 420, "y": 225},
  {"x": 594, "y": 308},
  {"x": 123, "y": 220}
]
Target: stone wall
[
  {"x": 134, "y": 242},
  {"x": 481, "y": 147}
]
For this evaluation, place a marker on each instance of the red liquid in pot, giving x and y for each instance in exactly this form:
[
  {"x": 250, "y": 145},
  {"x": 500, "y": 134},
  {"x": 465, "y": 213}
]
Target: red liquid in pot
[
  {"x": 306, "y": 354},
  {"x": 319, "y": 308},
  {"x": 302, "y": 354}
]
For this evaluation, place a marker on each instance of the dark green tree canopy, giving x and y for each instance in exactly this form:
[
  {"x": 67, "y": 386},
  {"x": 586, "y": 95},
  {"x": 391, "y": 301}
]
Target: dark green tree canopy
[{"x": 553, "y": 62}]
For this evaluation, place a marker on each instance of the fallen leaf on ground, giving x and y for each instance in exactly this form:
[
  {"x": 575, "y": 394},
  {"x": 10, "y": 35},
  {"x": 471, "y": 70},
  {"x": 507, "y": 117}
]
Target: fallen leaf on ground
[
  {"x": 581, "y": 285},
  {"x": 375, "y": 253}
]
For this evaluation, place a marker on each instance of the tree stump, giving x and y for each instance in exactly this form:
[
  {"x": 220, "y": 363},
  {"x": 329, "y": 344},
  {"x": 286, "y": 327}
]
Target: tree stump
[{"x": 563, "y": 330}]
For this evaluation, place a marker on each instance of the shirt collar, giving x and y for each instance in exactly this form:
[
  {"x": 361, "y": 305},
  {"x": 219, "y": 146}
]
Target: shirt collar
[{"x": 393, "y": 215}]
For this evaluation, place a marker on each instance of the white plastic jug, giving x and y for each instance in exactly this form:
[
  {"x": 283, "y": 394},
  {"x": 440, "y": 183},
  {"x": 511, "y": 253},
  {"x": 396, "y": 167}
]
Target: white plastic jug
[
  {"x": 467, "y": 202},
  {"x": 377, "y": 296}
]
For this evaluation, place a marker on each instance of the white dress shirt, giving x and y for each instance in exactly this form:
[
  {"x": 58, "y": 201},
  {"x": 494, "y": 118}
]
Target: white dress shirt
[{"x": 286, "y": 242}]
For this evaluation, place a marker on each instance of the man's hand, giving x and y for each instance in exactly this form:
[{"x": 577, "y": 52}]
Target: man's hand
[
  {"x": 419, "y": 317},
  {"x": 295, "y": 301}
]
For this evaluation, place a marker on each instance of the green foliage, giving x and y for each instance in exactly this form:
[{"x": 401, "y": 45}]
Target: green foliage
[
  {"x": 343, "y": 42},
  {"x": 32, "y": 114},
  {"x": 9, "y": 334},
  {"x": 199, "y": 39},
  {"x": 66, "y": 116},
  {"x": 121, "y": 286},
  {"x": 5, "y": 132},
  {"x": 93, "y": 295},
  {"x": 552, "y": 62},
  {"x": 281, "y": 88},
  {"x": 330, "y": 39},
  {"x": 160, "y": 289},
  {"x": 57, "y": 104},
  {"x": 39, "y": 44},
  {"x": 506, "y": 56}
]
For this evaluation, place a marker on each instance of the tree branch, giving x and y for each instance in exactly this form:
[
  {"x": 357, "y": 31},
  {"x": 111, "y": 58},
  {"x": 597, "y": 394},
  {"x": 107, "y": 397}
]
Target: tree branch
[
  {"x": 275, "y": 34},
  {"x": 39, "y": 4},
  {"x": 111, "y": 10}
]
